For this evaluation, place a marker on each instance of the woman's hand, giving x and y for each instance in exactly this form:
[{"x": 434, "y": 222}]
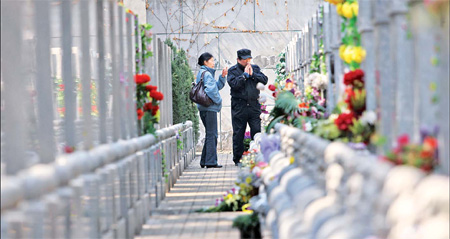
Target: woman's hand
[{"x": 225, "y": 72}]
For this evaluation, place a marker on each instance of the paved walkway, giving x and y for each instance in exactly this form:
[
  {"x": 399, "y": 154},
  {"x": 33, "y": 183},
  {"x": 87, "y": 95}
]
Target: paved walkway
[{"x": 196, "y": 188}]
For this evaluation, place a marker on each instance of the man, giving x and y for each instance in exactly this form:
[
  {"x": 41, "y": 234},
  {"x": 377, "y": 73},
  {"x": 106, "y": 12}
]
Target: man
[{"x": 245, "y": 107}]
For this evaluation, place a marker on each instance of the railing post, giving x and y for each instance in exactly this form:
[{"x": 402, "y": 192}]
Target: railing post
[
  {"x": 402, "y": 57},
  {"x": 15, "y": 120},
  {"x": 327, "y": 34},
  {"x": 444, "y": 99},
  {"x": 335, "y": 44},
  {"x": 67, "y": 74},
  {"x": 45, "y": 110},
  {"x": 426, "y": 71},
  {"x": 122, "y": 76},
  {"x": 365, "y": 28},
  {"x": 86, "y": 75},
  {"x": 116, "y": 126},
  {"x": 101, "y": 73},
  {"x": 131, "y": 106},
  {"x": 384, "y": 78}
]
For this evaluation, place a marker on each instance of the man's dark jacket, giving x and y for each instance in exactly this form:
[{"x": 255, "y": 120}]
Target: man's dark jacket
[{"x": 240, "y": 87}]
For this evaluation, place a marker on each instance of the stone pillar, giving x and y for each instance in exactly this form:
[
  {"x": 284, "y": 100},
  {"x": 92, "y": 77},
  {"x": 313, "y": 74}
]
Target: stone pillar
[
  {"x": 402, "y": 59},
  {"x": 385, "y": 82},
  {"x": 365, "y": 28}
]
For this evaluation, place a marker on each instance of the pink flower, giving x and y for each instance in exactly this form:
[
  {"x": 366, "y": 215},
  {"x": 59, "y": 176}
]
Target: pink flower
[{"x": 403, "y": 140}]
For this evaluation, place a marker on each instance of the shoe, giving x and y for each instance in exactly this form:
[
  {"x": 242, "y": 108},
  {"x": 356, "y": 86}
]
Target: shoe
[
  {"x": 202, "y": 166},
  {"x": 214, "y": 166},
  {"x": 237, "y": 164}
]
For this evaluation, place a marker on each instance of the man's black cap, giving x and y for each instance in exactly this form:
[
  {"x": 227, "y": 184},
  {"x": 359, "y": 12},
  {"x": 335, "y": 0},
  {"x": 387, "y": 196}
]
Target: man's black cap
[{"x": 244, "y": 54}]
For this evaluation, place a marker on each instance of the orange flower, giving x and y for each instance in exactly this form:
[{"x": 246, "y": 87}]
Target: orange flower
[
  {"x": 430, "y": 142},
  {"x": 303, "y": 105}
]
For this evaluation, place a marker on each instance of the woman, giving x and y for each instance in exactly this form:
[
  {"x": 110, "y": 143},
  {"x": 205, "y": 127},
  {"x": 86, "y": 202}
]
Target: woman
[{"x": 208, "y": 114}]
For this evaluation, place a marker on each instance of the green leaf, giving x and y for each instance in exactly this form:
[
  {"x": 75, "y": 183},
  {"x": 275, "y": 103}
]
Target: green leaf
[{"x": 274, "y": 122}]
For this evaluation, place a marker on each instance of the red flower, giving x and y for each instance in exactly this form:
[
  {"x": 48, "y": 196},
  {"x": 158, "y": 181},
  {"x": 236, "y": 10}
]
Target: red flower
[
  {"x": 151, "y": 87},
  {"x": 61, "y": 87},
  {"x": 425, "y": 154},
  {"x": 150, "y": 107},
  {"x": 68, "y": 149},
  {"x": 344, "y": 121},
  {"x": 403, "y": 140},
  {"x": 274, "y": 94},
  {"x": 155, "y": 110},
  {"x": 272, "y": 87},
  {"x": 140, "y": 113},
  {"x": 354, "y": 78},
  {"x": 141, "y": 78},
  {"x": 156, "y": 95}
]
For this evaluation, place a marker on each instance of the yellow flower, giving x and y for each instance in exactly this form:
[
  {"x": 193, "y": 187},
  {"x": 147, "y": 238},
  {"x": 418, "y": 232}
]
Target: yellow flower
[
  {"x": 308, "y": 90},
  {"x": 347, "y": 10},
  {"x": 358, "y": 54},
  {"x": 341, "y": 51},
  {"x": 244, "y": 208},
  {"x": 291, "y": 160},
  {"x": 355, "y": 8},
  {"x": 348, "y": 54},
  {"x": 248, "y": 180},
  {"x": 229, "y": 196},
  {"x": 339, "y": 9}
]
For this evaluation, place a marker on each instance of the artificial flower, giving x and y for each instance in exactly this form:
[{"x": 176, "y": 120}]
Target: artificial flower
[
  {"x": 403, "y": 140},
  {"x": 368, "y": 117},
  {"x": 272, "y": 87},
  {"x": 339, "y": 9},
  {"x": 334, "y": 2},
  {"x": 151, "y": 87},
  {"x": 344, "y": 120},
  {"x": 141, "y": 78},
  {"x": 430, "y": 143},
  {"x": 156, "y": 95},
  {"x": 350, "y": 10},
  {"x": 140, "y": 113},
  {"x": 354, "y": 78}
]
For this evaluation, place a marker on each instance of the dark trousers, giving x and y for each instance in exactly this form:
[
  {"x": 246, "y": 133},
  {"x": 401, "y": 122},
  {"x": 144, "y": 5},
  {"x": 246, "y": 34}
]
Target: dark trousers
[
  {"x": 209, "y": 152},
  {"x": 243, "y": 112}
]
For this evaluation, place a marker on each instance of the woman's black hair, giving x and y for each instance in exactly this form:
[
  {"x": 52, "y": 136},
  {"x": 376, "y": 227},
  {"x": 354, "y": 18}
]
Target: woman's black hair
[{"x": 204, "y": 57}]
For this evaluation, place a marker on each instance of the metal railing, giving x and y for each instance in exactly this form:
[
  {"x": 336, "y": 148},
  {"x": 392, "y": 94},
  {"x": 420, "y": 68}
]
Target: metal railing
[{"x": 406, "y": 66}]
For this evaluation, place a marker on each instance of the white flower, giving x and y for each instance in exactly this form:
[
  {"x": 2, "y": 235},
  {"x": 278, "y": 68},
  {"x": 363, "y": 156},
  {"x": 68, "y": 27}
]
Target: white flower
[
  {"x": 307, "y": 126},
  {"x": 260, "y": 86},
  {"x": 368, "y": 117},
  {"x": 319, "y": 81}
]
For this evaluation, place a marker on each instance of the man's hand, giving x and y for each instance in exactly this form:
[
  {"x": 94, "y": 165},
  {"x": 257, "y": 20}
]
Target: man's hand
[
  {"x": 225, "y": 72},
  {"x": 248, "y": 69}
]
